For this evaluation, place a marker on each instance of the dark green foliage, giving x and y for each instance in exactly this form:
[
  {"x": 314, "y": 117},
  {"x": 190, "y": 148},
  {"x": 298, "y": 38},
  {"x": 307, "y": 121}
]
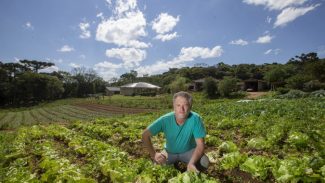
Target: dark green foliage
[
  {"x": 313, "y": 85},
  {"x": 179, "y": 84},
  {"x": 297, "y": 81},
  {"x": 210, "y": 87},
  {"x": 226, "y": 86},
  {"x": 35, "y": 65},
  {"x": 275, "y": 76},
  {"x": 282, "y": 90},
  {"x": 294, "y": 94},
  {"x": 21, "y": 84}
]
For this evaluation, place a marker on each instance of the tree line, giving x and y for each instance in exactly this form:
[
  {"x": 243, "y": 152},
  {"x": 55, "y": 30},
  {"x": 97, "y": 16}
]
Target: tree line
[
  {"x": 21, "y": 83},
  {"x": 303, "y": 72}
]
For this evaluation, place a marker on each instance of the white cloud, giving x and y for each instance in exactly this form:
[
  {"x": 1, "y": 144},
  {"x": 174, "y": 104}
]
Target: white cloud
[
  {"x": 239, "y": 42},
  {"x": 107, "y": 70},
  {"x": 109, "y": 2},
  {"x": 123, "y": 6},
  {"x": 66, "y": 48},
  {"x": 190, "y": 53},
  {"x": 124, "y": 31},
  {"x": 130, "y": 56},
  {"x": 291, "y": 13},
  {"x": 166, "y": 37},
  {"x": 28, "y": 26},
  {"x": 272, "y": 51},
  {"x": 49, "y": 69},
  {"x": 185, "y": 55},
  {"x": 54, "y": 60},
  {"x": 85, "y": 33},
  {"x": 275, "y": 4},
  {"x": 164, "y": 23},
  {"x": 276, "y": 51},
  {"x": 291, "y": 9},
  {"x": 268, "y": 51},
  {"x": 100, "y": 15},
  {"x": 264, "y": 39},
  {"x": 74, "y": 65}
]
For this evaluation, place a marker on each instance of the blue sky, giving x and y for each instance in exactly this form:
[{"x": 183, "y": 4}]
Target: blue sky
[{"x": 151, "y": 36}]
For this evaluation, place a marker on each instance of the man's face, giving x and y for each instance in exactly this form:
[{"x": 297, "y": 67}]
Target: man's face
[{"x": 181, "y": 108}]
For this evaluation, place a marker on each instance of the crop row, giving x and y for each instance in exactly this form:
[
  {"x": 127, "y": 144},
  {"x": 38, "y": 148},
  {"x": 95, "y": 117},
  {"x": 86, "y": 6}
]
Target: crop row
[
  {"x": 56, "y": 114},
  {"x": 36, "y": 157}
]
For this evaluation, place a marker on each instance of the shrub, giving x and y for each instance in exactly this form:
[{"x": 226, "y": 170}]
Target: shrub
[
  {"x": 297, "y": 81},
  {"x": 238, "y": 94},
  {"x": 313, "y": 85},
  {"x": 282, "y": 90},
  {"x": 210, "y": 88},
  {"x": 318, "y": 93},
  {"x": 179, "y": 84},
  {"x": 226, "y": 86},
  {"x": 294, "y": 94}
]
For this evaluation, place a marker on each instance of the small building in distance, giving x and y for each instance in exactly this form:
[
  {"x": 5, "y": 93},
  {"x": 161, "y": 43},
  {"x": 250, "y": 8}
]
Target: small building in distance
[
  {"x": 197, "y": 85},
  {"x": 140, "y": 88},
  {"x": 112, "y": 91},
  {"x": 254, "y": 85}
]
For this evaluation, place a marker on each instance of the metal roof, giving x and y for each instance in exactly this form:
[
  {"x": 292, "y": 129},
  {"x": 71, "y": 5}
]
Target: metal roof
[
  {"x": 140, "y": 85},
  {"x": 113, "y": 88}
]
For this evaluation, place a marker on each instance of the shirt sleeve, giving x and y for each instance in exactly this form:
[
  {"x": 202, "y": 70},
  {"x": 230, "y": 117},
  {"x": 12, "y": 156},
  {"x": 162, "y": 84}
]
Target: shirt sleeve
[
  {"x": 199, "y": 130},
  {"x": 156, "y": 126}
]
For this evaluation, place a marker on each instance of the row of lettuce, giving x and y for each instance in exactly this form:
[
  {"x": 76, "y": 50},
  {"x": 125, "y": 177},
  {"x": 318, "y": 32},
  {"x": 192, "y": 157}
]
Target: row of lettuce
[
  {"x": 58, "y": 154},
  {"x": 270, "y": 139}
]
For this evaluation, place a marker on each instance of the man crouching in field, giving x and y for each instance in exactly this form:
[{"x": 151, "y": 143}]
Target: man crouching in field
[{"x": 184, "y": 132}]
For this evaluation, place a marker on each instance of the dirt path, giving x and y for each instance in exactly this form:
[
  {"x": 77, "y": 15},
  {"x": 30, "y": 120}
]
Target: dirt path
[{"x": 254, "y": 95}]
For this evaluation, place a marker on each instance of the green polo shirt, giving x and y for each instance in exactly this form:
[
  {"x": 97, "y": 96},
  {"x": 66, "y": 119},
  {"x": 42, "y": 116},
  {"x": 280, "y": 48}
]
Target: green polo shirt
[{"x": 179, "y": 138}]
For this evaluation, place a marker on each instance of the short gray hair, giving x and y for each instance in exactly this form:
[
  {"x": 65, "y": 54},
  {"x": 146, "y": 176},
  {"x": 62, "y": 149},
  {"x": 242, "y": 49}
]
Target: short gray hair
[{"x": 185, "y": 95}]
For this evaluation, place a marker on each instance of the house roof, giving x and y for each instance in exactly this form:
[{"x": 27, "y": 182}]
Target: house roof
[
  {"x": 113, "y": 88},
  {"x": 140, "y": 85}
]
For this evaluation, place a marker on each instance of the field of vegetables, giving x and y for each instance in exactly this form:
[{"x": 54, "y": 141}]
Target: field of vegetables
[
  {"x": 65, "y": 112},
  {"x": 267, "y": 140}
]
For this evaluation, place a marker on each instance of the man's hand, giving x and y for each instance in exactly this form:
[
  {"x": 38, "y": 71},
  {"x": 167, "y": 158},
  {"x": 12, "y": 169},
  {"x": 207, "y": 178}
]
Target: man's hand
[
  {"x": 160, "y": 158},
  {"x": 192, "y": 168}
]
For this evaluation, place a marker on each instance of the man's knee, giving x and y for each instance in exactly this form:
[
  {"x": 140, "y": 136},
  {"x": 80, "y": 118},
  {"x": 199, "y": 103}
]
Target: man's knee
[
  {"x": 204, "y": 161},
  {"x": 203, "y": 164}
]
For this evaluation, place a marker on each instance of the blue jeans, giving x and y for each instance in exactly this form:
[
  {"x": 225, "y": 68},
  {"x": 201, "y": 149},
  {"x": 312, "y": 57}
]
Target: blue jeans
[{"x": 185, "y": 157}]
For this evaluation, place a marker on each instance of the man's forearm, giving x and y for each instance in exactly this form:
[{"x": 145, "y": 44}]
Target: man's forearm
[
  {"x": 198, "y": 152},
  {"x": 148, "y": 145}
]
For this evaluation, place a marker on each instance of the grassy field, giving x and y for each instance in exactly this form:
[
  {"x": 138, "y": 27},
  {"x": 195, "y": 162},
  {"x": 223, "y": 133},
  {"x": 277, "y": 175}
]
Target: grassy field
[{"x": 266, "y": 140}]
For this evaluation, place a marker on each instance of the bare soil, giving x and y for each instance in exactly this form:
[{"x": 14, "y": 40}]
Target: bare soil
[
  {"x": 255, "y": 95},
  {"x": 113, "y": 109}
]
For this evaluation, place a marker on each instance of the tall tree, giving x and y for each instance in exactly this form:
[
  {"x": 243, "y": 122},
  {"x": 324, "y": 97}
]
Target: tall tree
[
  {"x": 36, "y": 65},
  {"x": 242, "y": 71},
  {"x": 129, "y": 77},
  {"x": 275, "y": 77},
  {"x": 13, "y": 69}
]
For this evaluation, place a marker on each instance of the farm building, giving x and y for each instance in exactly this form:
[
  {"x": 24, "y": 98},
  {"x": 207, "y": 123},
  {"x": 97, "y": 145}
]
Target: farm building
[
  {"x": 112, "y": 90},
  {"x": 140, "y": 88},
  {"x": 254, "y": 85},
  {"x": 197, "y": 85}
]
